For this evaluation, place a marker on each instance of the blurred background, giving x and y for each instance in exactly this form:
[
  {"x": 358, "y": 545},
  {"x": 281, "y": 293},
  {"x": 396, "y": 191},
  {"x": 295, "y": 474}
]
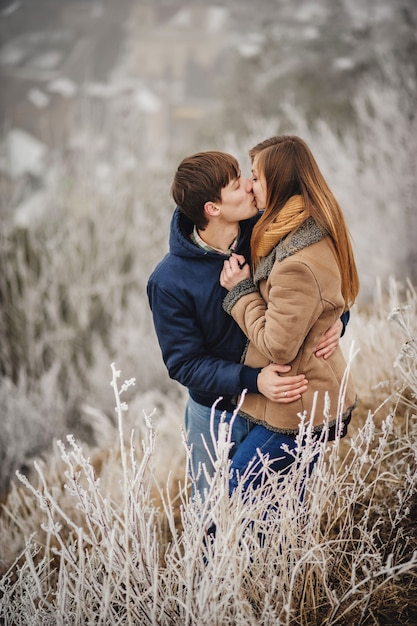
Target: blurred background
[
  {"x": 147, "y": 82},
  {"x": 100, "y": 100}
]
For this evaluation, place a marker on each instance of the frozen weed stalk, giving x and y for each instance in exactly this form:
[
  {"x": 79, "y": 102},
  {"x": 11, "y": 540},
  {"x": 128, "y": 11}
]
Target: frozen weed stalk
[
  {"x": 120, "y": 407},
  {"x": 407, "y": 358}
]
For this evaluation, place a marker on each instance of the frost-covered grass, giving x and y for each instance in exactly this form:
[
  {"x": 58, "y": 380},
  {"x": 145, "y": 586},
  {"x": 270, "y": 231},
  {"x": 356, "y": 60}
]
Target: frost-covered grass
[
  {"x": 112, "y": 536},
  {"x": 72, "y": 296}
]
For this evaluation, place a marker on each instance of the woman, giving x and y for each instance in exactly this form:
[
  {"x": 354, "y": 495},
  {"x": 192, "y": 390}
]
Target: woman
[{"x": 304, "y": 277}]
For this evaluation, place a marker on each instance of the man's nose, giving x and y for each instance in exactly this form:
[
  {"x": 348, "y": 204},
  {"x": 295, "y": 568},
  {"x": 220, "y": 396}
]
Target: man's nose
[{"x": 248, "y": 185}]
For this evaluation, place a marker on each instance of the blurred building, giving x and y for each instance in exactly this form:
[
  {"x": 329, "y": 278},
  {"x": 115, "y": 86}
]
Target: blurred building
[
  {"x": 150, "y": 69},
  {"x": 177, "y": 54}
]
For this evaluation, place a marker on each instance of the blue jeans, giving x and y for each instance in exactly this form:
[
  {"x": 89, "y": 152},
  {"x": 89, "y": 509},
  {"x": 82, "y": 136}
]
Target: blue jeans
[
  {"x": 269, "y": 444},
  {"x": 197, "y": 425}
]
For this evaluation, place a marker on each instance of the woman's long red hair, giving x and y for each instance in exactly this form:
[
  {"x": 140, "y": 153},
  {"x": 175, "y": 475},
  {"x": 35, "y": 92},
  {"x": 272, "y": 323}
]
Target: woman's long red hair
[{"x": 290, "y": 169}]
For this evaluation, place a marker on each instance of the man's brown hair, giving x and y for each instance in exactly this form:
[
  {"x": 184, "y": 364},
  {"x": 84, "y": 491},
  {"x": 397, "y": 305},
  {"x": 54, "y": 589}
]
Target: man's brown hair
[{"x": 200, "y": 178}]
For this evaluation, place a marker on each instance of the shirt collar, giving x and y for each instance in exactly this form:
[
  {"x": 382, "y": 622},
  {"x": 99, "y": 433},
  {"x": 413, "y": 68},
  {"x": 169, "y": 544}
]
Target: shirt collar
[{"x": 195, "y": 238}]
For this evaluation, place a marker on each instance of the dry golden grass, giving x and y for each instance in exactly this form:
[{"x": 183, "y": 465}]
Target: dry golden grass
[{"x": 111, "y": 535}]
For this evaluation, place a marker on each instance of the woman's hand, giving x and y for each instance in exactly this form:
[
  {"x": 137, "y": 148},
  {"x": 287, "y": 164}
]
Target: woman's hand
[
  {"x": 234, "y": 270},
  {"x": 329, "y": 341}
]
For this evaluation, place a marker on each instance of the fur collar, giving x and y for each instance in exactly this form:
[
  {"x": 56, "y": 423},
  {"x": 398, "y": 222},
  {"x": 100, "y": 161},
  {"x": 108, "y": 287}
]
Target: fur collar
[{"x": 308, "y": 233}]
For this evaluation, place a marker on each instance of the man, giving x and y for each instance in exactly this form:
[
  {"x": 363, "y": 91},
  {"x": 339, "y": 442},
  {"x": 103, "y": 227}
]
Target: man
[{"x": 201, "y": 345}]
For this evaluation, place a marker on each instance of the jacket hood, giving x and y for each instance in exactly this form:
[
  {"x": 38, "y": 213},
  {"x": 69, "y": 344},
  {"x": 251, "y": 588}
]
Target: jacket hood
[{"x": 180, "y": 243}]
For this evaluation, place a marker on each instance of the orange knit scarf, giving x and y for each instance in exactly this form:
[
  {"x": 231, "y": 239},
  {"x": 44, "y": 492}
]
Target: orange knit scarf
[{"x": 289, "y": 218}]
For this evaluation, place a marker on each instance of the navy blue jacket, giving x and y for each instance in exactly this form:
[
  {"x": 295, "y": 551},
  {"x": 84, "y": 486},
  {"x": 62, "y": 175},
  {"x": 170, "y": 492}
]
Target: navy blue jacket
[{"x": 201, "y": 344}]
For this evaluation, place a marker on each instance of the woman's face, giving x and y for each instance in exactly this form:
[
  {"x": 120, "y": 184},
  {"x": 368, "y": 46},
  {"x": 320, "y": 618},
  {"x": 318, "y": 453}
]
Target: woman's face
[{"x": 258, "y": 185}]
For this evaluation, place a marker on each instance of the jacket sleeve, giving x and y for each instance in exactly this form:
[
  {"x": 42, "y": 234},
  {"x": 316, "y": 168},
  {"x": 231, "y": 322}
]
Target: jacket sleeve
[
  {"x": 185, "y": 354},
  {"x": 345, "y": 317},
  {"x": 279, "y": 328},
  {"x": 248, "y": 286}
]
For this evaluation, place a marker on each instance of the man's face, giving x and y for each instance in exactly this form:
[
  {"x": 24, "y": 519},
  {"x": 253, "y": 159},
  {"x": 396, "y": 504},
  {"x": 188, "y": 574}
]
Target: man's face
[{"x": 237, "y": 202}]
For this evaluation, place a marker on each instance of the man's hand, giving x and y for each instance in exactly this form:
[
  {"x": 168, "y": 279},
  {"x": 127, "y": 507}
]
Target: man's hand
[
  {"x": 329, "y": 341},
  {"x": 234, "y": 270},
  {"x": 284, "y": 389}
]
